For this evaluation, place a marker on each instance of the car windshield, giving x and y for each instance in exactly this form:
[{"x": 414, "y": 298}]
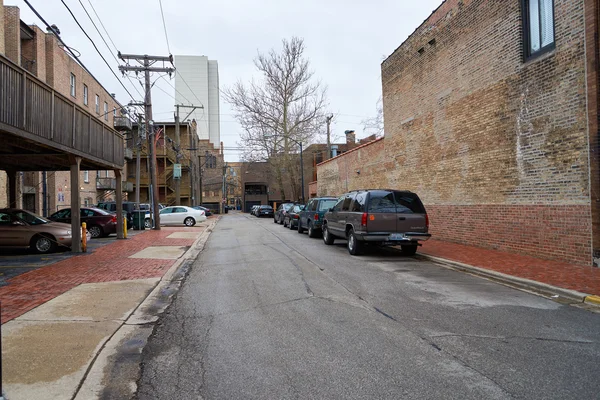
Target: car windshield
[
  {"x": 29, "y": 217},
  {"x": 266, "y": 207},
  {"x": 327, "y": 204}
]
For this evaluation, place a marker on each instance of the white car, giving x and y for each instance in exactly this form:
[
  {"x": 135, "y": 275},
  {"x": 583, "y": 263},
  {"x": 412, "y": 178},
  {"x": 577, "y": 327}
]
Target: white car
[{"x": 178, "y": 215}]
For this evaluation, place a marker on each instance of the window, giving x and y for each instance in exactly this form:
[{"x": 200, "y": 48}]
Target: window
[
  {"x": 325, "y": 205},
  {"x": 97, "y": 104},
  {"x": 359, "y": 203},
  {"x": 73, "y": 84},
  {"x": 85, "y": 95},
  {"x": 338, "y": 205},
  {"x": 86, "y": 176},
  {"x": 311, "y": 206},
  {"x": 115, "y": 112},
  {"x": 347, "y": 201},
  {"x": 105, "y": 111},
  {"x": 538, "y": 26}
]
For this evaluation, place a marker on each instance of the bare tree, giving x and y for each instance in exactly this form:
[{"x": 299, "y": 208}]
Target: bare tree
[
  {"x": 286, "y": 105},
  {"x": 374, "y": 125}
]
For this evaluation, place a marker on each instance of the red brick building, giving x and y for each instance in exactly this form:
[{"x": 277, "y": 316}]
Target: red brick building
[
  {"x": 491, "y": 116},
  {"x": 41, "y": 54}
]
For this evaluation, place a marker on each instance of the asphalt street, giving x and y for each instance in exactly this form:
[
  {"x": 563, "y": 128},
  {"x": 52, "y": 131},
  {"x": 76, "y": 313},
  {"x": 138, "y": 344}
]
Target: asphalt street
[{"x": 267, "y": 313}]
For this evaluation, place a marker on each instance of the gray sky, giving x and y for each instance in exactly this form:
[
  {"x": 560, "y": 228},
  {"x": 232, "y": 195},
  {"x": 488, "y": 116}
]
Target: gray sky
[{"x": 345, "y": 40}]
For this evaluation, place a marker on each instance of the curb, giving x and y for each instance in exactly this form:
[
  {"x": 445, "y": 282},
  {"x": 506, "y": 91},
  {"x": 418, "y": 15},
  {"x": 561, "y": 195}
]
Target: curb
[
  {"x": 139, "y": 323},
  {"x": 544, "y": 289}
]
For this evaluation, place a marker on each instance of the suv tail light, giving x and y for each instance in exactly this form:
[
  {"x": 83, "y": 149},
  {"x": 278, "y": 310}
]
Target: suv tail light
[
  {"x": 316, "y": 217},
  {"x": 296, "y": 216},
  {"x": 427, "y": 221},
  {"x": 364, "y": 219}
]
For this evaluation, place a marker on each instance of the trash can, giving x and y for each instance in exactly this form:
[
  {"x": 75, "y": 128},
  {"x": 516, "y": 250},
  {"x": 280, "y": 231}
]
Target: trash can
[{"x": 138, "y": 220}]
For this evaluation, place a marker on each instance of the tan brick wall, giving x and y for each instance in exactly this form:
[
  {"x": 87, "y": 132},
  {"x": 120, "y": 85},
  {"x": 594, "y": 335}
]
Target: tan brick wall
[
  {"x": 2, "y": 39},
  {"x": 12, "y": 34},
  {"x": 480, "y": 134}
]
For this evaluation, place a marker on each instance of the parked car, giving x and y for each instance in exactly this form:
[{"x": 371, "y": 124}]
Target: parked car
[
  {"x": 291, "y": 217},
  {"x": 383, "y": 217},
  {"x": 279, "y": 214},
  {"x": 253, "y": 209},
  {"x": 311, "y": 217},
  {"x": 24, "y": 229},
  {"x": 179, "y": 215},
  {"x": 99, "y": 223},
  {"x": 207, "y": 211},
  {"x": 111, "y": 206},
  {"x": 264, "y": 211}
]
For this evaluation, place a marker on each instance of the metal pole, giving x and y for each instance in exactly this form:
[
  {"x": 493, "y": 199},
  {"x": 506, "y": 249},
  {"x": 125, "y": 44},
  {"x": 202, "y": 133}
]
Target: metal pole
[
  {"x": 178, "y": 146},
  {"x": 302, "y": 173},
  {"x": 150, "y": 133},
  {"x": 138, "y": 147}
]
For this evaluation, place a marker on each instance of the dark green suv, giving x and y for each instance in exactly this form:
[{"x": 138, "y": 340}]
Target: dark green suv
[
  {"x": 381, "y": 216},
  {"x": 311, "y": 218}
]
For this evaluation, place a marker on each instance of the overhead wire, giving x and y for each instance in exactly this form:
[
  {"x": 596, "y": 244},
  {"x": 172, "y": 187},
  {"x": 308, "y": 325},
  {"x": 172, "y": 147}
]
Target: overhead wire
[
  {"x": 90, "y": 39},
  {"x": 164, "y": 25},
  {"x": 107, "y": 46},
  {"x": 103, "y": 27}
]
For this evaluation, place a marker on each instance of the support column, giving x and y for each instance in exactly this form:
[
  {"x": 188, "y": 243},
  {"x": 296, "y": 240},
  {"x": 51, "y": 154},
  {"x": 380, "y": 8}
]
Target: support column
[
  {"x": 75, "y": 205},
  {"x": 12, "y": 188},
  {"x": 119, "y": 203}
]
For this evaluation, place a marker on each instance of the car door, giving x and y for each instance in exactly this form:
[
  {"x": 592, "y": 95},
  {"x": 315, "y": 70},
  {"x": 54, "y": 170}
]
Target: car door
[
  {"x": 166, "y": 215},
  {"x": 304, "y": 213},
  {"x": 7, "y": 231},
  {"x": 345, "y": 215},
  {"x": 411, "y": 214},
  {"x": 382, "y": 212},
  {"x": 333, "y": 223},
  {"x": 180, "y": 214}
]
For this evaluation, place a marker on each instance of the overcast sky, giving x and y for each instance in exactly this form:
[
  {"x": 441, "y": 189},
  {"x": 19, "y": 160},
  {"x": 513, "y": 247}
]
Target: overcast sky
[{"x": 346, "y": 41}]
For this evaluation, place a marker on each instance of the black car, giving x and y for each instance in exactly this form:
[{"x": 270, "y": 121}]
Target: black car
[
  {"x": 311, "y": 217},
  {"x": 207, "y": 211},
  {"x": 292, "y": 216},
  {"x": 281, "y": 211},
  {"x": 111, "y": 207},
  {"x": 264, "y": 211}
]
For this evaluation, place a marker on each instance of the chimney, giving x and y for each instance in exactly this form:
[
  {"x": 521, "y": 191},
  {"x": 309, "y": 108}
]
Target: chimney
[
  {"x": 334, "y": 150},
  {"x": 350, "y": 137}
]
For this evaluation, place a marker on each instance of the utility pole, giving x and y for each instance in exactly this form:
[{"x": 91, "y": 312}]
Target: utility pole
[
  {"x": 223, "y": 200},
  {"x": 146, "y": 63},
  {"x": 328, "y": 119},
  {"x": 178, "y": 144},
  {"x": 138, "y": 151}
]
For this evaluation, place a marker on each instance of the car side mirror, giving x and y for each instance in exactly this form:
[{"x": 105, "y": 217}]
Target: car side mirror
[{"x": 331, "y": 209}]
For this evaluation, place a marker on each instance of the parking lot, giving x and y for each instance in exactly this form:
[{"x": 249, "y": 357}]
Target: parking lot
[{"x": 16, "y": 262}]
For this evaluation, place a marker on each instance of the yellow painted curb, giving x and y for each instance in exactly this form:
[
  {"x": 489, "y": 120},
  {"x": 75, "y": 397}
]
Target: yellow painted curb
[{"x": 593, "y": 300}]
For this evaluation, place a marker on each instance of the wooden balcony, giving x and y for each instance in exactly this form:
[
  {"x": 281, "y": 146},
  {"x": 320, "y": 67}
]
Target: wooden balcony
[{"x": 42, "y": 130}]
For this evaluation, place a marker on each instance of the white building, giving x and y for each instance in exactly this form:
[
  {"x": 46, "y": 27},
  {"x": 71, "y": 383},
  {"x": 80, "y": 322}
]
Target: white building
[{"x": 197, "y": 81}]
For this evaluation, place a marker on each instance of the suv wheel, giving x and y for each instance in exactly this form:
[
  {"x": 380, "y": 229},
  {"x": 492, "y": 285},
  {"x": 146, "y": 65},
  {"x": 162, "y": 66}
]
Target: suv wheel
[
  {"x": 328, "y": 238},
  {"x": 355, "y": 246},
  {"x": 409, "y": 250}
]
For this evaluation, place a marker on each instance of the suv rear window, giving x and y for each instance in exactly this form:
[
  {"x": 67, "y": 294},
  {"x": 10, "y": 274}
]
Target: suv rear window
[{"x": 383, "y": 201}]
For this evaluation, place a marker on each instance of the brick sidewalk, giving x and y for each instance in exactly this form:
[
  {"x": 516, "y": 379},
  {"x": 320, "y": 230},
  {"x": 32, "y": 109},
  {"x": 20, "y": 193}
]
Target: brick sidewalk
[
  {"x": 105, "y": 264},
  {"x": 582, "y": 278}
]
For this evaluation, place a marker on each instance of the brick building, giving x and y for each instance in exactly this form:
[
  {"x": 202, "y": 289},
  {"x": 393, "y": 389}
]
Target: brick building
[
  {"x": 491, "y": 116},
  {"x": 41, "y": 54}
]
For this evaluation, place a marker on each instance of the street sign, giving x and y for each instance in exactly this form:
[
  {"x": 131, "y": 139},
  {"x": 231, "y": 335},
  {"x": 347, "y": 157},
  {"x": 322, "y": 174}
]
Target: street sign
[{"x": 176, "y": 171}]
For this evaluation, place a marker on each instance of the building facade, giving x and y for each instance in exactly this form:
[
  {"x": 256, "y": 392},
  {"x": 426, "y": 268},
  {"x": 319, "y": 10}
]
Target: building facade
[
  {"x": 491, "y": 116},
  {"x": 197, "y": 81},
  {"x": 41, "y": 54}
]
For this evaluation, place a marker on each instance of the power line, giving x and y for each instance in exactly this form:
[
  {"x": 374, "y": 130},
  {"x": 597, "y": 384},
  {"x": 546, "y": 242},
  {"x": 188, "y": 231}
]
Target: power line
[
  {"x": 164, "y": 25},
  {"x": 107, "y": 46},
  {"x": 103, "y": 27},
  {"x": 186, "y": 84},
  {"x": 181, "y": 94},
  {"x": 69, "y": 49}
]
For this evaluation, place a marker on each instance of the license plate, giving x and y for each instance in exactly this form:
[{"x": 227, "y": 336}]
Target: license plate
[{"x": 396, "y": 236}]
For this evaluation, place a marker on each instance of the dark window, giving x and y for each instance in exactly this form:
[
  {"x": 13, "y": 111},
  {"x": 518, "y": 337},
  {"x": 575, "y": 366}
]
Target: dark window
[
  {"x": 382, "y": 202},
  {"x": 87, "y": 213},
  {"x": 538, "y": 26},
  {"x": 359, "y": 202},
  {"x": 66, "y": 213},
  {"x": 338, "y": 205},
  {"x": 409, "y": 203},
  {"x": 325, "y": 205},
  {"x": 311, "y": 206},
  {"x": 347, "y": 201}
]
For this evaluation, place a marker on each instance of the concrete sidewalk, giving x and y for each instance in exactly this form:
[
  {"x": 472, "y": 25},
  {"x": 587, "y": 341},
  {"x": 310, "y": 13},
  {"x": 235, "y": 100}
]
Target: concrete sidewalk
[
  {"x": 580, "y": 283},
  {"x": 64, "y": 324}
]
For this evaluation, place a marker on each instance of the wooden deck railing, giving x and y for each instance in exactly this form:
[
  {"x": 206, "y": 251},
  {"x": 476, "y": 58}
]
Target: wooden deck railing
[{"x": 28, "y": 104}]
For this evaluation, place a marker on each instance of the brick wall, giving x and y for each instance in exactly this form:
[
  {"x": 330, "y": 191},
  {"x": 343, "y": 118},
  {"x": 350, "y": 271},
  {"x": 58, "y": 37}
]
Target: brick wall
[
  {"x": 496, "y": 147},
  {"x": 12, "y": 34},
  {"x": 2, "y": 40}
]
